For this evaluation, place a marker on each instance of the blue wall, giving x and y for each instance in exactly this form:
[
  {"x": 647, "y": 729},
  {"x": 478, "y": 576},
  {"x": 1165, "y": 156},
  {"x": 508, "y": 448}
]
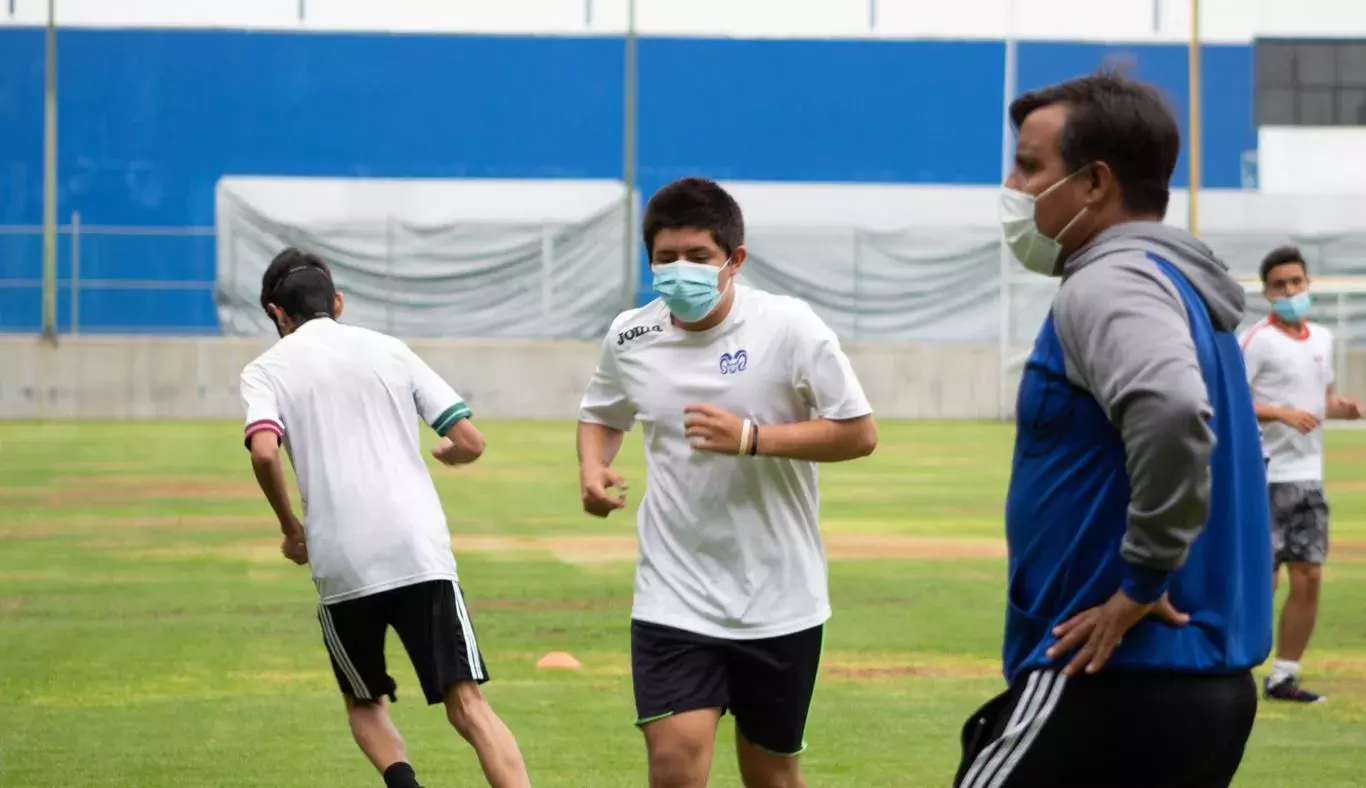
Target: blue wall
[{"x": 150, "y": 120}]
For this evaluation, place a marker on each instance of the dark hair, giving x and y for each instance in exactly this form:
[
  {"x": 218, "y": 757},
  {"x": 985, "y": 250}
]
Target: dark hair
[
  {"x": 699, "y": 203},
  {"x": 1280, "y": 256},
  {"x": 1119, "y": 121},
  {"x": 300, "y": 283}
]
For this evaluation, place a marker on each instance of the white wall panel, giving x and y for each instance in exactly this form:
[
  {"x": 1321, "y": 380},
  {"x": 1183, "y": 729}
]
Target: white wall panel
[
  {"x": 159, "y": 13},
  {"x": 1085, "y": 19},
  {"x": 1317, "y": 18},
  {"x": 449, "y": 16},
  {"x": 1129, "y": 20},
  {"x": 1310, "y": 160},
  {"x": 606, "y": 16},
  {"x": 1221, "y": 21},
  {"x": 959, "y": 19},
  {"x": 739, "y": 18},
  {"x": 1089, "y": 20}
]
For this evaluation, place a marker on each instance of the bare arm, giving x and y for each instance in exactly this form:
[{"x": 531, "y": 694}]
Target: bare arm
[
  {"x": 819, "y": 440},
  {"x": 605, "y": 415},
  {"x": 598, "y": 445},
  {"x": 1340, "y": 407},
  {"x": 445, "y": 411},
  {"x": 1302, "y": 420},
  {"x": 841, "y": 426},
  {"x": 1254, "y": 358},
  {"x": 1268, "y": 412},
  {"x": 263, "y": 434},
  {"x": 462, "y": 444},
  {"x": 270, "y": 475}
]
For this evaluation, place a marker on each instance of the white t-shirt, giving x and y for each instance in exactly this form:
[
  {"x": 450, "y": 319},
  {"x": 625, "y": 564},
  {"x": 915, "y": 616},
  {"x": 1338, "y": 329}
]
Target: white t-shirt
[
  {"x": 730, "y": 546},
  {"x": 346, "y": 401},
  {"x": 1292, "y": 372}
]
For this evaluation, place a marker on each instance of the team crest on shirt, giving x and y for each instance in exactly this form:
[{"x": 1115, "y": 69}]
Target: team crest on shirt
[
  {"x": 734, "y": 363},
  {"x": 637, "y": 331}
]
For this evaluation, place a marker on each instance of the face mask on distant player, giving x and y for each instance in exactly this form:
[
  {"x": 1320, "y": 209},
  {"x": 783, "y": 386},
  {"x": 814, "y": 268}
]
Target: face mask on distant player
[
  {"x": 689, "y": 289},
  {"x": 1292, "y": 309},
  {"x": 1032, "y": 248}
]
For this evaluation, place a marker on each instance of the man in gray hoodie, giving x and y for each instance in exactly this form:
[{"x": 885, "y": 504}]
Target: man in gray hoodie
[{"x": 1138, "y": 597}]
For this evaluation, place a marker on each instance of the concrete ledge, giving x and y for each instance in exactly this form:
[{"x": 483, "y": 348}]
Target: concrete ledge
[{"x": 115, "y": 377}]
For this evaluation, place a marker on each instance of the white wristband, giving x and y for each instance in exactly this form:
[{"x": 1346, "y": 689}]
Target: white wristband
[{"x": 746, "y": 435}]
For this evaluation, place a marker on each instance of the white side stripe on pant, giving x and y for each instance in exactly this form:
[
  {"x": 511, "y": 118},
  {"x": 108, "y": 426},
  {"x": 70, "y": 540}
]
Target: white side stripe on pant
[
  {"x": 1032, "y": 733},
  {"x": 994, "y": 764},
  {"x": 467, "y": 629},
  {"x": 334, "y": 645},
  {"x": 988, "y": 753}
]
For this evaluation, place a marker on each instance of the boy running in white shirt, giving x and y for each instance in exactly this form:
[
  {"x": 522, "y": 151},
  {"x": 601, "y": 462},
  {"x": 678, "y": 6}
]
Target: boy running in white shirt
[
  {"x": 1290, "y": 368},
  {"x": 741, "y": 393},
  {"x": 345, "y": 403}
]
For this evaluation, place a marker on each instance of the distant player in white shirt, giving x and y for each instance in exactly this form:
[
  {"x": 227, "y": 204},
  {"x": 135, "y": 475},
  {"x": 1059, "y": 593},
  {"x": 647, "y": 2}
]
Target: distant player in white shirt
[
  {"x": 1290, "y": 368},
  {"x": 740, "y": 393},
  {"x": 345, "y": 402}
]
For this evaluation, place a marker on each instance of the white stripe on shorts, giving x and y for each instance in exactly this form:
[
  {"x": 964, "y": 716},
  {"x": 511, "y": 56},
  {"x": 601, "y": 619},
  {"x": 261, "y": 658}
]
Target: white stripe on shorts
[
  {"x": 994, "y": 764},
  {"x": 467, "y": 629},
  {"x": 334, "y": 645}
]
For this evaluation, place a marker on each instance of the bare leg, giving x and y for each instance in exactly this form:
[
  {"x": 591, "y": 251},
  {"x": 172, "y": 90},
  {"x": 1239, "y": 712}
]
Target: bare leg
[
  {"x": 474, "y": 719},
  {"x": 1300, "y": 612},
  {"x": 680, "y": 748},
  {"x": 760, "y": 768},
  {"x": 375, "y": 732}
]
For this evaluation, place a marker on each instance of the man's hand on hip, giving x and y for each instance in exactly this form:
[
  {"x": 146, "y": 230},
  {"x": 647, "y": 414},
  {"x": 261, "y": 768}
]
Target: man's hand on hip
[{"x": 1099, "y": 630}]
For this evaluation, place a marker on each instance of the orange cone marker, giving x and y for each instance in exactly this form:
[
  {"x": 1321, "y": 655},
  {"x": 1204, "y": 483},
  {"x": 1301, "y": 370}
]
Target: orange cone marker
[{"x": 559, "y": 659}]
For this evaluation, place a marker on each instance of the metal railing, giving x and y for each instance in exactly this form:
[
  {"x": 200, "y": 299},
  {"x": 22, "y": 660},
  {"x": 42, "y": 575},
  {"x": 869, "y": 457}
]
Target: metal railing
[{"x": 95, "y": 260}]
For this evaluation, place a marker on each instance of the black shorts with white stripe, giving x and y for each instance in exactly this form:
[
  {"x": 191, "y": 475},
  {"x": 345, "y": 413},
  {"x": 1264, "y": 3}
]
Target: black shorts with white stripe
[
  {"x": 1114, "y": 729},
  {"x": 431, "y": 620}
]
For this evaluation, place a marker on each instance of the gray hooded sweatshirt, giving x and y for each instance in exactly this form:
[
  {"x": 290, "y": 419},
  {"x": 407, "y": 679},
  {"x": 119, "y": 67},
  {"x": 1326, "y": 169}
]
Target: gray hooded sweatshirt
[{"x": 1126, "y": 339}]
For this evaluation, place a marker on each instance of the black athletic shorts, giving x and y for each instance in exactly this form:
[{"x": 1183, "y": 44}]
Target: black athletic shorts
[
  {"x": 431, "y": 620},
  {"x": 1116, "y": 730},
  {"x": 767, "y": 684}
]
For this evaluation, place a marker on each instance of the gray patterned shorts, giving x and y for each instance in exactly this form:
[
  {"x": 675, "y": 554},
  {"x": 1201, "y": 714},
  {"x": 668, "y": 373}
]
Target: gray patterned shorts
[{"x": 1299, "y": 522}]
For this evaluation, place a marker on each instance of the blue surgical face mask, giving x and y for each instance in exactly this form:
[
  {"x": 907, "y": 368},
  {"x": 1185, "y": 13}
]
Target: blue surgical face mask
[
  {"x": 1292, "y": 309},
  {"x": 689, "y": 289}
]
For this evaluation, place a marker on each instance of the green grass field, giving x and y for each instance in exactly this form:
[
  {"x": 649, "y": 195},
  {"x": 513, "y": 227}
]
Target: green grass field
[{"x": 151, "y": 634}]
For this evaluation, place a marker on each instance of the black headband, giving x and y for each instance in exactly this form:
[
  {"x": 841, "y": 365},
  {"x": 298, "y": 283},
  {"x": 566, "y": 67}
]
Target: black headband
[{"x": 296, "y": 269}]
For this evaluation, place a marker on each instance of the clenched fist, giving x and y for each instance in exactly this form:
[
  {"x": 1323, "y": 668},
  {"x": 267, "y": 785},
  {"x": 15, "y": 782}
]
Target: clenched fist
[{"x": 596, "y": 484}]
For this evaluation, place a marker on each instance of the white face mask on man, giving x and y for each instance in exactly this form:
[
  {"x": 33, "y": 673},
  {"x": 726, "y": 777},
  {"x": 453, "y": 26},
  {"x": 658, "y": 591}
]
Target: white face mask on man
[{"x": 1031, "y": 247}]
